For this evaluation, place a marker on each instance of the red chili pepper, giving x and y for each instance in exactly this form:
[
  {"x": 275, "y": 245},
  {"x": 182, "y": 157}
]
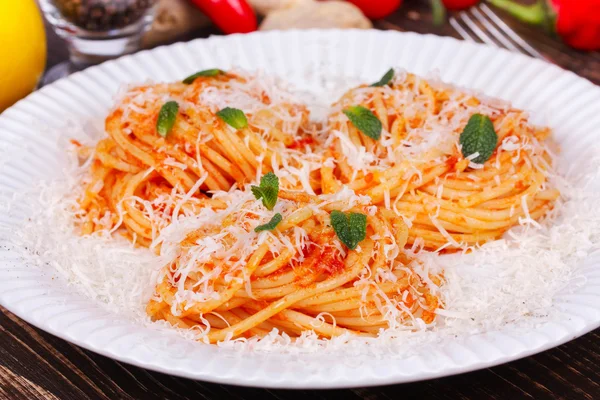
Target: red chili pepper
[
  {"x": 231, "y": 16},
  {"x": 456, "y": 5},
  {"x": 577, "y": 22},
  {"x": 376, "y": 9}
]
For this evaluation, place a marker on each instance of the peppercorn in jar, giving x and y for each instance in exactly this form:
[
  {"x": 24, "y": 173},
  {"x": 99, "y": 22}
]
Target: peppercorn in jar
[{"x": 102, "y": 15}]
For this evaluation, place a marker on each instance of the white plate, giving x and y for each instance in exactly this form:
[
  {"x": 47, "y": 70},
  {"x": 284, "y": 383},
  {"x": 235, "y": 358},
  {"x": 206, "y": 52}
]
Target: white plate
[{"x": 569, "y": 104}]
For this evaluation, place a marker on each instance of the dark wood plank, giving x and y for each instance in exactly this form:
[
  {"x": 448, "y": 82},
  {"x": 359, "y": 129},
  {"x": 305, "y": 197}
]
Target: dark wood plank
[{"x": 37, "y": 365}]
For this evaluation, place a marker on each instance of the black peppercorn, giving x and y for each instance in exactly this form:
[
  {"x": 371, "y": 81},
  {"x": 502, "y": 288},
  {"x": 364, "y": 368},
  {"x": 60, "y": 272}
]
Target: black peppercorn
[{"x": 102, "y": 15}]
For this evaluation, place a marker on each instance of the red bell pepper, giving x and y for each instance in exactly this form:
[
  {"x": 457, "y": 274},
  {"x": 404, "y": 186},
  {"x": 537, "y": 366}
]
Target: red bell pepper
[
  {"x": 456, "y": 5},
  {"x": 376, "y": 9},
  {"x": 577, "y": 22},
  {"x": 231, "y": 16}
]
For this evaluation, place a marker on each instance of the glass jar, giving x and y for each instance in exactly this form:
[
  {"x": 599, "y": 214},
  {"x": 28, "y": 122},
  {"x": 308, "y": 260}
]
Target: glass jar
[{"x": 97, "y": 30}]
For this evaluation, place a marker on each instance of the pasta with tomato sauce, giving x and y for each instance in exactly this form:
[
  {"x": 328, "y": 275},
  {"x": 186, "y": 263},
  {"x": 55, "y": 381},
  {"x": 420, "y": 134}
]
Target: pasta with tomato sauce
[
  {"x": 139, "y": 177},
  {"x": 229, "y": 281},
  {"x": 417, "y": 167}
]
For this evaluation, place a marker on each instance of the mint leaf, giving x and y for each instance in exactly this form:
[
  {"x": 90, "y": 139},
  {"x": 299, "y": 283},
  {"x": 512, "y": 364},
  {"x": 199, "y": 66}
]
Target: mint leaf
[
  {"x": 364, "y": 120},
  {"x": 267, "y": 191},
  {"x": 479, "y": 136},
  {"x": 350, "y": 229},
  {"x": 166, "y": 118},
  {"x": 207, "y": 72},
  {"x": 233, "y": 117},
  {"x": 269, "y": 226},
  {"x": 385, "y": 79},
  {"x": 358, "y": 227}
]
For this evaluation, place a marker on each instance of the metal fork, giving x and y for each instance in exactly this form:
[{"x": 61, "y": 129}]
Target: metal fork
[{"x": 481, "y": 24}]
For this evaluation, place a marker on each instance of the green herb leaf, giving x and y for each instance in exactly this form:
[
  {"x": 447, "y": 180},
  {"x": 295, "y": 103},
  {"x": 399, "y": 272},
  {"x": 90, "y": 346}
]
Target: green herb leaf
[
  {"x": 233, "y": 117},
  {"x": 351, "y": 229},
  {"x": 207, "y": 72},
  {"x": 166, "y": 118},
  {"x": 385, "y": 79},
  {"x": 268, "y": 190},
  {"x": 269, "y": 226},
  {"x": 364, "y": 120},
  {"x": 480, "y": 137}
]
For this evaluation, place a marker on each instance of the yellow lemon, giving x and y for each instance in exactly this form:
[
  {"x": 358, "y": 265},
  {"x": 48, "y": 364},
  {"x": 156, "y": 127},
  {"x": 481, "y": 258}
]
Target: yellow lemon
[{"x": 23, "y": 44}]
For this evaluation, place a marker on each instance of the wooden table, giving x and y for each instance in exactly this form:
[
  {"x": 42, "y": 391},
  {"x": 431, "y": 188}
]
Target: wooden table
[{"x": 37, "y": 365}]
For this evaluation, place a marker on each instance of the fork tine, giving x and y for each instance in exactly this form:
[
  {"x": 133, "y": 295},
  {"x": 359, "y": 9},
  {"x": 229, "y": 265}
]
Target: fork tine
[
  {"x": 491, "y": 28},
  {"x": 511, "y": 33},
  {"x": 461, "y": 31},
  {"x": 475, "y": 29}
]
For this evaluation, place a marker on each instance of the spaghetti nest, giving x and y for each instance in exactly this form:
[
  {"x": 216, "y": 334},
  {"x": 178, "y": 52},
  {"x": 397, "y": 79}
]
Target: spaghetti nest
[
  {"x": 229, "y": 281},
  {"x": 417, "y": 168},
  {"x": 139, "y": 178}
]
